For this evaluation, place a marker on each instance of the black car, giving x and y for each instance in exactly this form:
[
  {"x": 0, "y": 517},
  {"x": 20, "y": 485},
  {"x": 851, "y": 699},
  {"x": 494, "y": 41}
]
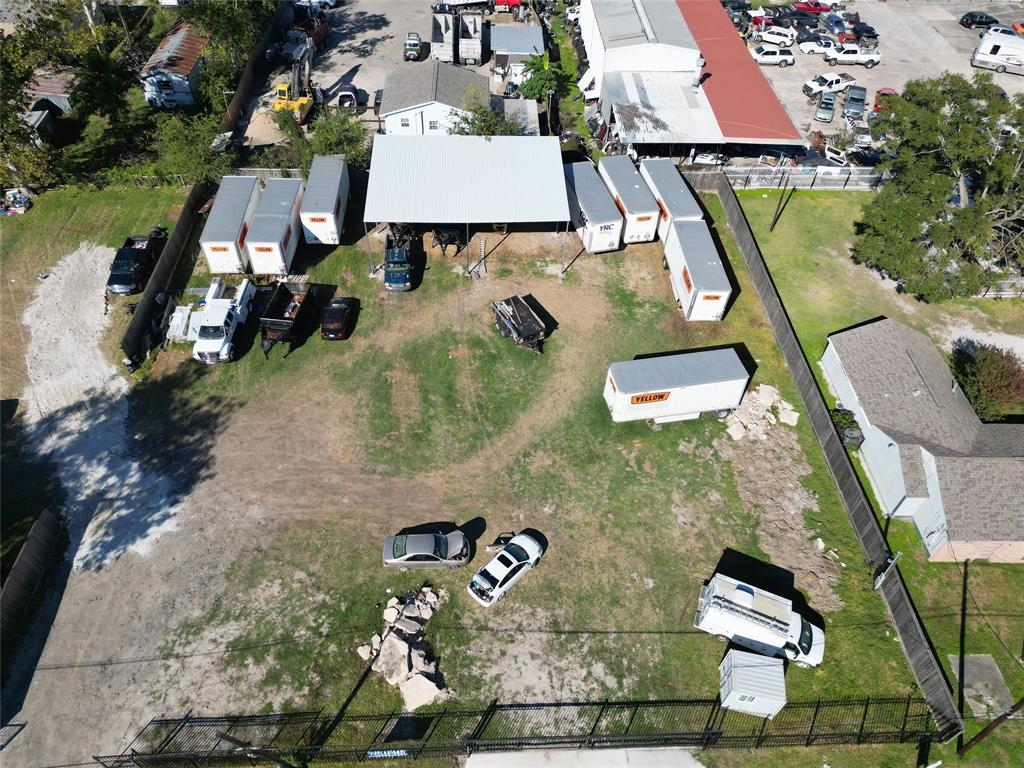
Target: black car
[
  {"x": 973, "y": 19},
  {"x": 805, "y": 35},
  {"x": 339, "y": 319},
  {"x": 736, "y": 5},
  {"x": 134, "y": 262},
  {"x": 787, "y": 17},
  {"x": 864, "y": 31}
]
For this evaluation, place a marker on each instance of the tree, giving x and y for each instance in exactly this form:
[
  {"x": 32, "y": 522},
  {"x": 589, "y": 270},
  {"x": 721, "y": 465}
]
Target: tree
[
  {"x": 991, "y": 377},
  {"x": 950, "y": 218},
  {"x": 184, "y": 149},
  {"x": 542, "y": 76},
  {"x": 340, "y": 133},
  {"x": 479, "y": 119},
  {"x": 23, "y": 158}
]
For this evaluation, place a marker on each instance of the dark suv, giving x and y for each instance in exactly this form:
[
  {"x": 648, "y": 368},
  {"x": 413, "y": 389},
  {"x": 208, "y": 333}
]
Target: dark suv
[{"x": 134, "y": 262}]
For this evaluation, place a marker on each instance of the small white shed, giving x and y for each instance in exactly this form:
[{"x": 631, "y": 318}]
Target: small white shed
[
  {"x": 752, "y": 683},
  {"x": 223, "y": 238},
  {"x": 170, "y": 78},
  {"x": 274, "y": 233},
  {"x": 695, "y": 271},
  {"x": 633, "y": 198},
  {"x": 671, "y": 193},
  {"x": 323, "y": 204}
]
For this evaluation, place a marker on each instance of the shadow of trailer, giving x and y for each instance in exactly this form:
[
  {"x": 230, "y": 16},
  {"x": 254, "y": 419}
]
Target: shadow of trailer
[{"x": 289, "y": 317}]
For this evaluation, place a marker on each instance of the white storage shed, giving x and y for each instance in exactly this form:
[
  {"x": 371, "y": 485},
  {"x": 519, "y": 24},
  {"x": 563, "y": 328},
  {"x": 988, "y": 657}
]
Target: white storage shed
[
  {"x": 671, "y": 193},
  {"x": 223, "y": 238},
  {"x": 633, "y": 198},
  {"x": 695, "y": 271},
  {"x": 752, "y": 683},
  {"x": 274, "y": 233},
  {"x": 594, "y": 214},
  {"x": 675, "y": 387},
  {"x": 323, "y": 204}
]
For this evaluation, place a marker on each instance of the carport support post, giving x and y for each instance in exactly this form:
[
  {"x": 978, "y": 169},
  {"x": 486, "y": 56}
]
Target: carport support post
[
  {"x": 565, "y": 243},
  {"x": 369, "y": 254}
]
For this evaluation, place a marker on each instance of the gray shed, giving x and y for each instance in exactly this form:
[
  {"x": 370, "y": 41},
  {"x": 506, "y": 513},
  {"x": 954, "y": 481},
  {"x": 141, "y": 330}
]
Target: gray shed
[
  {"x": 632, "y": 196},
  {"x": 671, "y": 193},
  {"x": 597, "y": 220},
  {"x": 752, "y": 683}
]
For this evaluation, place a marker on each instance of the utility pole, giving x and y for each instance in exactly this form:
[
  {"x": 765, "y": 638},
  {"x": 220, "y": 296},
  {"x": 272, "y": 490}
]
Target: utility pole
[{"x": 961, "y": 751}]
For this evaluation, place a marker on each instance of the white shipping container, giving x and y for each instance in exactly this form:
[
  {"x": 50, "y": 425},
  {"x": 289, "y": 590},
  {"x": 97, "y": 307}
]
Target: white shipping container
[
  {"x": 274, "y": 233},
  {"x": 597, "y": 220},
  {"x": 632, "y": 197},
  {"x": 323, "y": 204},
  {"x": 752, "y": 683},
  {"x": 223, "y": 238},
  {"x": 675, "y": 387},
  {"x": 695, "y": 271},
  {"x": 671, "y": 193}
]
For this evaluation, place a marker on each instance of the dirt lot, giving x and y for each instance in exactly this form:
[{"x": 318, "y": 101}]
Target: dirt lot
[{"x": 917, "y": 39}]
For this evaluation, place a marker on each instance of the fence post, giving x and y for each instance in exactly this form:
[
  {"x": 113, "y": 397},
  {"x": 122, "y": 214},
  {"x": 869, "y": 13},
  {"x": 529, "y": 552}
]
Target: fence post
[
  {"x": 903, "y": 725},
  {"x": 600, "y": 714},
  {"x": 708, "y": 731},
  {"x": 863, "y": 720},
  {"x": 478, "y": 731},
  {"x": 814, "y": 719}
]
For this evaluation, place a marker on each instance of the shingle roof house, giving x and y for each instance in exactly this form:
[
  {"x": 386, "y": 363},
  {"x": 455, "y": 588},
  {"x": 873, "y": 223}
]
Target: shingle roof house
[{"x": 929, "y": 457}]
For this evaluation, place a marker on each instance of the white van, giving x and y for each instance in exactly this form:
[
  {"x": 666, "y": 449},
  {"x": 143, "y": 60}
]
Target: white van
[{"x": 999, "y": 53}]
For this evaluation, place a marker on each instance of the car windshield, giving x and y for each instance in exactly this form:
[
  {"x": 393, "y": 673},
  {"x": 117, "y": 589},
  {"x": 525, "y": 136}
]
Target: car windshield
[
  {"x": 805, "y": 636},
  {"x": 517, "y": 552},
  {"x": 399, "y": 549},
  {"x": 485, "y": 579},
  {"x": 440, "y": 546},
  {"x": 211, "y": 332}
]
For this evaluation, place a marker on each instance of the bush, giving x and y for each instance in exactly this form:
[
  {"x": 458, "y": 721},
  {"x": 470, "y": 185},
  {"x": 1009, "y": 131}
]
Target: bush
[{"x": 992, "y": 378}]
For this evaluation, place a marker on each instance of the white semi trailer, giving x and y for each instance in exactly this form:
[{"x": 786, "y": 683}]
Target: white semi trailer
[
  {"x": 632, "y": 197},
  {"x": 671, "y": 193},
  {"x": 695, "y": 271},
  {"x": 274, "y": 233},
  {"x": 323, "y": 204},
  {"x": 761, "y": 621},
  {"x": 597, "y": 220}
]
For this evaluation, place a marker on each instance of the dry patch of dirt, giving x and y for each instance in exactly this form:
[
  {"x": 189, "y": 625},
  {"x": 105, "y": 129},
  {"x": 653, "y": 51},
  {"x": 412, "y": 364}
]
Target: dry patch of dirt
[{"x": 405, "y": 393}]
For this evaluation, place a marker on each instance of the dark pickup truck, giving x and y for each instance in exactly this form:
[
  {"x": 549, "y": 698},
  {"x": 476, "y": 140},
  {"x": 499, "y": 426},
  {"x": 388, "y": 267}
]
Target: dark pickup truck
[
  {"x": 134, "y": 262},
  {"x": 397, "y": 272},
  {"x": 289, "y": 313}
]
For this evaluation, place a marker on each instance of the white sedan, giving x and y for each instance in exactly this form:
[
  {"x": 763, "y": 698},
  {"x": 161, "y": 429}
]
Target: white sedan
[
  {"x": 772, "y": 55},
  {"x": 819, "y": 45},
  {"x": 493, "y": 581}
]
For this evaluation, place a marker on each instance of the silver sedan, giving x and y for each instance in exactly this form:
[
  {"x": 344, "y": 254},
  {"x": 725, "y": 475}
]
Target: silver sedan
[{"x": 426, "y": 550}]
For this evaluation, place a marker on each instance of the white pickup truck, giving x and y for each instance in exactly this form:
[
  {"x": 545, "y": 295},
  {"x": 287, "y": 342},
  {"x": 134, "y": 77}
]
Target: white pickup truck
[
  {"x": 225, "y": 312},
  {"x": 852, "y": 54},
  {"x": 833, "y": 82}
]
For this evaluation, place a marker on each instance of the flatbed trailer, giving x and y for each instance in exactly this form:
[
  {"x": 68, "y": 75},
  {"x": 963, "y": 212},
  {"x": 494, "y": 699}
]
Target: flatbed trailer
[
  {"x": 289, "y": 310},
  {"x": 517, "y": 320}
]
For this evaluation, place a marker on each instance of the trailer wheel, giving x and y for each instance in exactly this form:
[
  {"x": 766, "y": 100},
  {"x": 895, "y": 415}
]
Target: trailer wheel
[
  {"x": 802, "y": 664},
  {"x": 655, "y": 427},
  {"x": 664, "y": 263},
  {"x": 722, "y": 638},
  {"x": 722, "y": 413}
]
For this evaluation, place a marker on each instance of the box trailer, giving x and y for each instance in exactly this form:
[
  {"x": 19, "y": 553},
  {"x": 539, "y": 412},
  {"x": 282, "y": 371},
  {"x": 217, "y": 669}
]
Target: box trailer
[
  {"x": 675, "y": 387},
  {"x": 597, "y": 220},
  {"x": 223, "y": 238},
  {"x": 323, "y": 204},
  {"x": 672, "y": 194},
  {"x": 274, "y": 233},
  {"x": 758, "y": 620},
  {"x": 471, "y": 38},
  {"x": 695, "y": 271},
  {"x": 751, "y": 683},
  {"x": 442, "y": 37},
  {"x": 633, "y": 198}
]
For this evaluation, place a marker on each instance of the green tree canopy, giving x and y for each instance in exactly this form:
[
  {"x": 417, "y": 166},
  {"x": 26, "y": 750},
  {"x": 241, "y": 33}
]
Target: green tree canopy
[
  {"x": 479, "y": 119},
  {"x": 543, "y": 75},
  {"x": 991, "y": 377},
  {"x": 950, "y": 218}
]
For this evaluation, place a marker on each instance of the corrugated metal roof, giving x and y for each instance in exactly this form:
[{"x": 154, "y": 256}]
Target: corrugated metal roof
[
  {"x": 228, "y": 212},
  {"x": 591, "y": 193},
  {"x": 178, "y": 52},
  {"x": 466, "y": 179},
  {"x": 671, "y": 190},
  {"x": 752, "y": 674},
  {"x": 325, "y": 178},
  {"x": 639, "y": 22},
  {"x": 273, "y": 214},
  {"x": 683, "y": 369},
  {"x": 523, "y": 110},
  {"x": 517, "y": 39},
  {"x": 628, "y": 184},
  {"x": 434, "y": 81},
  {"x": 660, "y": 108},
  {"x": 702, "y": 257}
]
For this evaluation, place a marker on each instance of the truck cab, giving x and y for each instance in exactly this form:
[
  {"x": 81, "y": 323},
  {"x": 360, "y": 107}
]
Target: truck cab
[
  {"x": 397, "y": 271},
  {"x": 226, "y": 310}
]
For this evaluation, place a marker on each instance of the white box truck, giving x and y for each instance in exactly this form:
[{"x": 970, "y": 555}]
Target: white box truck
[
  {"x": 671, "y": 193},
  {"x": 632, "y": 197},
  {"x": 695, "y": 271},
  {"x": 752, "y": 684},
  {"x": 675, "y": 387},
  {"x": 597, "y": 220},
  {"x": 274, "y": 232},
  {"x": 224, "y": 313},
  {"x": 761, "y": 621},
  {"x": 323, "y": 204},
  {"x": 223, "y": 238}
]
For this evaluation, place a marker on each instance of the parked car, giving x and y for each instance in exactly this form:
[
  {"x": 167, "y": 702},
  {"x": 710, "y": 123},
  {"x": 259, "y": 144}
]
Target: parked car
[
  {"x": 1018, "y": 27},
  {"x": 348, "y": 96},
  {"x": 864, "y": 31},
  {"x": 817, "y": 6},
  {"x": 1001, "y": 29},
  {"x": 826, "y": 107},
  {"x": 854, "y": 54},
  {"x": 573, "y": 14},
  {"x": 339, "y": 318},
  {"x": 880, "y": 96},
  {"x": 772, "y": 55},
  {"x": 819, "y": 44},
  {"x": 855, "y": 103},
  {"x": 736, "y": 5},
  {"x": 828, "y": 81},
  {"x": 415, "y": 551},
  {"x": 492, "y": 582},
  {"x": 134, "y": 261},
  {"x": 973, "y": 19},
  {"x": 779, "y": 36},
  {"x": 803, "y": 35},
  {"x": 834, "y": 23},
  {"x": 799, "y": 20}
]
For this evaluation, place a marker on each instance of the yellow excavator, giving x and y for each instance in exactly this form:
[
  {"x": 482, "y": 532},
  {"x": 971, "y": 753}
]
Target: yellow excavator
[{"x": 296, "y": 95}]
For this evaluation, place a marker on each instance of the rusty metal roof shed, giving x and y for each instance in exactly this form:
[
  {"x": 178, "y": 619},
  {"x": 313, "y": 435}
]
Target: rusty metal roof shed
[{"x": 178, "y": 52}]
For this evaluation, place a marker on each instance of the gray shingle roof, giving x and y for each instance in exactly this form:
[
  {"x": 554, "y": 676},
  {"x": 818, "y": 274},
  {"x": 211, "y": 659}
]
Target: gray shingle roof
[{"x": 433, "y": 81}]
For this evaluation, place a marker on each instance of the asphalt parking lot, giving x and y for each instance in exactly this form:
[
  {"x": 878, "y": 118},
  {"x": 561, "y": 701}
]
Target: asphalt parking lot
[{"x": 917, "y": 40}]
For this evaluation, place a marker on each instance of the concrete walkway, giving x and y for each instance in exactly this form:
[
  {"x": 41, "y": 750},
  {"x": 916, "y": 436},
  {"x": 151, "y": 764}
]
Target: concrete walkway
[{"x": 665, "y": 757}]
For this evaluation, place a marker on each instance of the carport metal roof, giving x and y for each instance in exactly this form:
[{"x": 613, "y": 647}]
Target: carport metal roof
[{"x": 466, "y": 180}]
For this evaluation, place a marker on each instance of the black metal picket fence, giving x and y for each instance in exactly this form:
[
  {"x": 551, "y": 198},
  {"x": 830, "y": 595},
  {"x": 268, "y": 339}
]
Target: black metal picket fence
[{"x": 314, "y": 738}]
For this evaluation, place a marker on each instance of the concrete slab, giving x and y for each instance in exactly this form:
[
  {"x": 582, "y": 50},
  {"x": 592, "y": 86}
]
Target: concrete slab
[
  {"x": 665, "y": 757},
  {"x": 984, "y": 689}
]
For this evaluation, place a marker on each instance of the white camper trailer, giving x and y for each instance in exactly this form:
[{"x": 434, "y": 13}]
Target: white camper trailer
[
  {"x": 752, "y": 618},
  {"x": 675, "y": 387},
  {"x": 695, "y": 271},
  {"x": 671, "y": 193},
  {"x": 633, "y": 198},
  {"x": 223, "y": 238},
  {"x": 323, "y": 204},
  {"x": 274, "y": 233},
  {"x": 751, "y": 683},
  {"x": 597, "y": 220}
]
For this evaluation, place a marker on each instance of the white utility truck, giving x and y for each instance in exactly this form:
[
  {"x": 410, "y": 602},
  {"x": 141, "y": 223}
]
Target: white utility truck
[
  {"x": 753, "y": 618},
  {"x": 225, "y": 312}
]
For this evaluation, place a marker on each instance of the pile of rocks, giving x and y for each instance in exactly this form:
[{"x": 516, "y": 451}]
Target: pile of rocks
[
  {"x": 758, "y": 411},
  {"x": 401, "y": 654}
]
